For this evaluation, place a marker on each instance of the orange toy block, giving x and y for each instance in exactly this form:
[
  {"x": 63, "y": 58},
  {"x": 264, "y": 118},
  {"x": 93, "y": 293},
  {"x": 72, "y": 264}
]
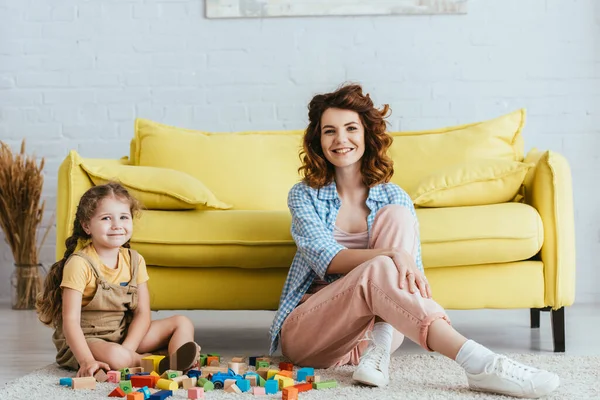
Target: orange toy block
[
  {"x": 88, "y": 382},
  {"x": 118, "y": 392},
  {"x": 286, "y": 366},
  {"x": 286, "y": 373},
  {"x": 135, "y": 396},
  {"x": 212, "y": 361},
  {"x": 303, "y": 387},
  {"x": 289, "y": 393}
]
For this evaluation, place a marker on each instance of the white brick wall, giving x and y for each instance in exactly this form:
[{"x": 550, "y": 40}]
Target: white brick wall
[{"x": 75, "y": 75}]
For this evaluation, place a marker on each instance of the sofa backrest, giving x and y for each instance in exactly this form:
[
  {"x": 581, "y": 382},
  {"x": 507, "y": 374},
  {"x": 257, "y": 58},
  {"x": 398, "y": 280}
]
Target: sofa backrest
[{"x": 254, "y": 170}]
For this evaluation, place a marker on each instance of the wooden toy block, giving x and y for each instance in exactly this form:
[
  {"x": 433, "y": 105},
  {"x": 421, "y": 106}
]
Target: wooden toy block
[
  {"x": 266, "y": 359},
  {"x": 271, "y": 387},
  {"x": 205, "y": 384},
  {"x": 179, "y": 380},
  {"x": 136, "y": 370},
  {"x": 233, "y": 389},
  {"x": 126, "y": 386},
  {"x": 118, "y": 392},
  {"x": 313, "y": 379},
  {"x": 289, "y": 393},
  {"x": 271, "y": 373},
  {"x": 189, "y": 383},
  {"x": 141, "y": 381},
  {"x": 146, "y": 391},
  {"x": 195, "y": 393},
  {"x": 212, "y": 361},
  {"x": 229, "y": 382},
  {"x": 252, "y": 379},
  {"x": 237, "y": 359},
  {"x": 150, "y": 363},
  {"x": 263, "y": 372},
  {"x": 303, "y": 387},
  {"x": 286, "y": 366},
  {"x": 65, "y": 382},
  {"x": 238, "y": 368},
  {"x": 212, "y": 370},
  {"x": 135, "y": 396},
  {"x": 170, "y": 374},
  {"x": 161, "y": 395},
  {"x": 244, "y": 385},
  {"x": 303, "y": 373},
  {"x": 88, "y": 382},
  {"x": 167, "y": 384},
  {"x": 329, "y": 384},
  {"x": 258, "y": 391},
  {"x": 100, "y": 376},
  {"x": 262, "y": 364},
  {"x": 286, "y": 373}
]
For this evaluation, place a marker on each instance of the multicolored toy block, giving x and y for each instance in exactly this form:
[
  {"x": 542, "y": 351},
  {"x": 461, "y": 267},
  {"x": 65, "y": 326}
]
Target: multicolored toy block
[
  {"x": 167, "y": 384},
  {"x": 118, "y": 392},
  {"x": 286, "y": 366},
  {"x": 150, "y": 363},
  {"x": 135, "y": 396},
  {"x": 124, "y": 372},
  {"x": 126, "y": 386},
  {"x": 303, "y": 373},
  {"x": 329, "y": 384},
  {"x": 258, "y": 391},
  {"x": 303, "y": 387},
  {"x": 101, "y": 376},
  {"x": 66, "y": 382},
  {"x": 313, "y": 378},
  {"x": 162, "y": 395},
  {"x": 195, "y": 393},
  {"x": 88, "y": 382},
  {"x": 271, "y": 387},
  {"x": 289, "y": 393}
]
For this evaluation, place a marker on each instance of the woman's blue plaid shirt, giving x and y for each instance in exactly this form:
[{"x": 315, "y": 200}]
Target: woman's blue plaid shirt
[{"x": 314, "y": 212}]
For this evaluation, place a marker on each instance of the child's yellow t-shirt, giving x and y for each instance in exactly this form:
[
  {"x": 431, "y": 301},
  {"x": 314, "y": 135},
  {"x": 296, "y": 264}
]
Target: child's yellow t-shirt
[{"x": 78, "y": 275}]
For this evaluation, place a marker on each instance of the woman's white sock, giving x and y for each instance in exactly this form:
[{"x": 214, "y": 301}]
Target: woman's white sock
[
  {"x": 473, "y": 357},
  {"x": 383, "y": 334}
]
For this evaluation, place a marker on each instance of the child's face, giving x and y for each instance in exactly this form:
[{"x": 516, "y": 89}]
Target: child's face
[
  {"x": 111, "y": 226},
  {"x": 342, "y": 137}
]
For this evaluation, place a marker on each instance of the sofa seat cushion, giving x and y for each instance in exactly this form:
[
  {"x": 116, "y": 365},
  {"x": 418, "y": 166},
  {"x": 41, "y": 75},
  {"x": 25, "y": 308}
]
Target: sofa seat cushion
[
  {"x": 495, "y": 233},
  {"x": 452, "y": 236}
]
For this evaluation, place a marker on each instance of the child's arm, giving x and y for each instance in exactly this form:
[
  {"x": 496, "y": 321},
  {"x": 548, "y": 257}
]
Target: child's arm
[
  {"x": 141, "y": 319},
  {"x": 71, "y": 316}
]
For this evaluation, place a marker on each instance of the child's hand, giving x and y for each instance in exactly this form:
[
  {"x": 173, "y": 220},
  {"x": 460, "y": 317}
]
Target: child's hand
[{"x": 89, "y": 368}]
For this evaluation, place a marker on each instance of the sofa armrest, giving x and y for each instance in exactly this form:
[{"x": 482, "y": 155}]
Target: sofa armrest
[
  {"x": 73, "y": 182},
  {"x": 548, "y": 188}
]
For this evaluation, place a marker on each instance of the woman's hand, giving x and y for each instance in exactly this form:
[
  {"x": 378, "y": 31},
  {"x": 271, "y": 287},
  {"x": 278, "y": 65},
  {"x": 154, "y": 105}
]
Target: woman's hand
[
  {"x": 89, "y": 368},
  {"x": 410, "y": 275}
]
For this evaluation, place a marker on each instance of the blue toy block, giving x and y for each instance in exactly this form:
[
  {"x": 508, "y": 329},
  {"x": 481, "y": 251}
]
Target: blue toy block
[
  {"x": 146, "y": 392},
  {"x": 66, "y": 382},
  {"x": 271, "y": 387},
  {"x": 243, "y": 384},
  {"x": 162, "y": 395},
  {"x": 194, "y": 373},
  {"x": 142, "y": 373},
  {"x": 303, "y": 373}
]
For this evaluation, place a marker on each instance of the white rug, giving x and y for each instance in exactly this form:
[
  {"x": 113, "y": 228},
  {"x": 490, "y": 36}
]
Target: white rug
[{"x": 412, "y": 377}]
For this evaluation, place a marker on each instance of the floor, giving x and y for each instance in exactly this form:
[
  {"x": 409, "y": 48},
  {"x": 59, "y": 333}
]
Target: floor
[{"x": 28, "y": 344}]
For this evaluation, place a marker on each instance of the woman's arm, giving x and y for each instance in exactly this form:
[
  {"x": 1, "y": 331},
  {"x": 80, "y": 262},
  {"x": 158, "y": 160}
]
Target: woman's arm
[
  {"x": 141, "y": 319},
  {"x": 71, "y": 316}
]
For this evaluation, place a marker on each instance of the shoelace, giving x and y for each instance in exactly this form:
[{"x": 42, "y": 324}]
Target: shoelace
[
  {"x": 507, "y": 367},
  {"x": 375, "y": 356}
]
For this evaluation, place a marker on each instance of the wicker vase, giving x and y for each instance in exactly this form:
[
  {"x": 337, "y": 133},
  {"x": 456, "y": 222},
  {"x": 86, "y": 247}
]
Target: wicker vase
[{"x": 26, "y": 282}]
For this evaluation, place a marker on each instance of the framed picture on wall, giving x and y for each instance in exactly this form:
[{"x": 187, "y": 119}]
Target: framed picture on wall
[{"x": 295, "y": 8}]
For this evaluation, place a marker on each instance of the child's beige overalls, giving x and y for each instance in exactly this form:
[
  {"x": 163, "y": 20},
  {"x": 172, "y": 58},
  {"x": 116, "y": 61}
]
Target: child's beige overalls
[{"x": 106, "y": 317}]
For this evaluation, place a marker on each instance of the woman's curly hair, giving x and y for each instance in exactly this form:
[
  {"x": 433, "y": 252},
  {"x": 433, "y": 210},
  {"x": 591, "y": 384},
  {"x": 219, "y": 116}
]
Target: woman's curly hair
[{"x": 376, "y": 166}]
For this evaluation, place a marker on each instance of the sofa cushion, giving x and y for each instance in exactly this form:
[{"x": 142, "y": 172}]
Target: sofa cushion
[
  {"x": 419, "y": 154},
  {"x": 473, "y": 182},
  {"x": 250, "y": 170},
  {"x": 261, "y": 239},
  {"x": 155, "y": 188}
]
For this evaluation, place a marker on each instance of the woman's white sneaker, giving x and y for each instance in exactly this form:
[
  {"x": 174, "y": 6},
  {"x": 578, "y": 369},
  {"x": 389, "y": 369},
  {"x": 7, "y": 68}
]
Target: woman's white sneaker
[
  {"x": 374, "y": 366},
  {"x": 505, "y": 376}
]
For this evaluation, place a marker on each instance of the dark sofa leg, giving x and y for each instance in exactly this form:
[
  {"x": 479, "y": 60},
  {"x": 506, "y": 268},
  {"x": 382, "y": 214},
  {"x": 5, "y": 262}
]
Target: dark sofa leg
[
  {"x": 535, "y": 317},
  {"x": 558, "y": 329}
]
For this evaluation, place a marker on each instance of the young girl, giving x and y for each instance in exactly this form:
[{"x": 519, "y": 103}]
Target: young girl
[
  {"x": 356, "y": 285},
  {"x": 97, "y": 296}
]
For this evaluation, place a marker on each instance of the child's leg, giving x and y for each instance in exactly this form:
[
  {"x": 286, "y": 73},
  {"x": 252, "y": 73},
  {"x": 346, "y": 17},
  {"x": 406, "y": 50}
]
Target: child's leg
[
  {"x": 172, "y": 332},
  {"x": 115, "y": 355}
]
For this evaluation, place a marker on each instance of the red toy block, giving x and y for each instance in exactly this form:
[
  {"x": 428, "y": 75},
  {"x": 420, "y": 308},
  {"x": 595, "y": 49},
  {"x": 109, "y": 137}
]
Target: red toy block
[
  {"x": 118, "y": 392},
  {"x": 286, "y": 366},
  {"x": 303, "y": 387},
  {"x": 143, "y": 380}
]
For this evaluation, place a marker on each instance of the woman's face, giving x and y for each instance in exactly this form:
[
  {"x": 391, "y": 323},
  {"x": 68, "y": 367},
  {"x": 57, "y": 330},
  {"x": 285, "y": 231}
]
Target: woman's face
[{"x": 342, "y": 137}]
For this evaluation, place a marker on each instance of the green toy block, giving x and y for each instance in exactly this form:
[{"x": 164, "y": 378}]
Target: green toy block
[
  {"x": 330, "y": 384},
  {"x": 124, "y": 372},
  {"x": 203, "y": 359},
  {"x": 171, "y": 374},
  {"x": 126, "y": 386},
  {"x": 262, "y": 364},
  {"x": 206, "y": 384}
]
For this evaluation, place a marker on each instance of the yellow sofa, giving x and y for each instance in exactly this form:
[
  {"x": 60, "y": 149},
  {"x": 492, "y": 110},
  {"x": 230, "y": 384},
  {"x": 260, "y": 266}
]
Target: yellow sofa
[{"x": 497, "y": 225}]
